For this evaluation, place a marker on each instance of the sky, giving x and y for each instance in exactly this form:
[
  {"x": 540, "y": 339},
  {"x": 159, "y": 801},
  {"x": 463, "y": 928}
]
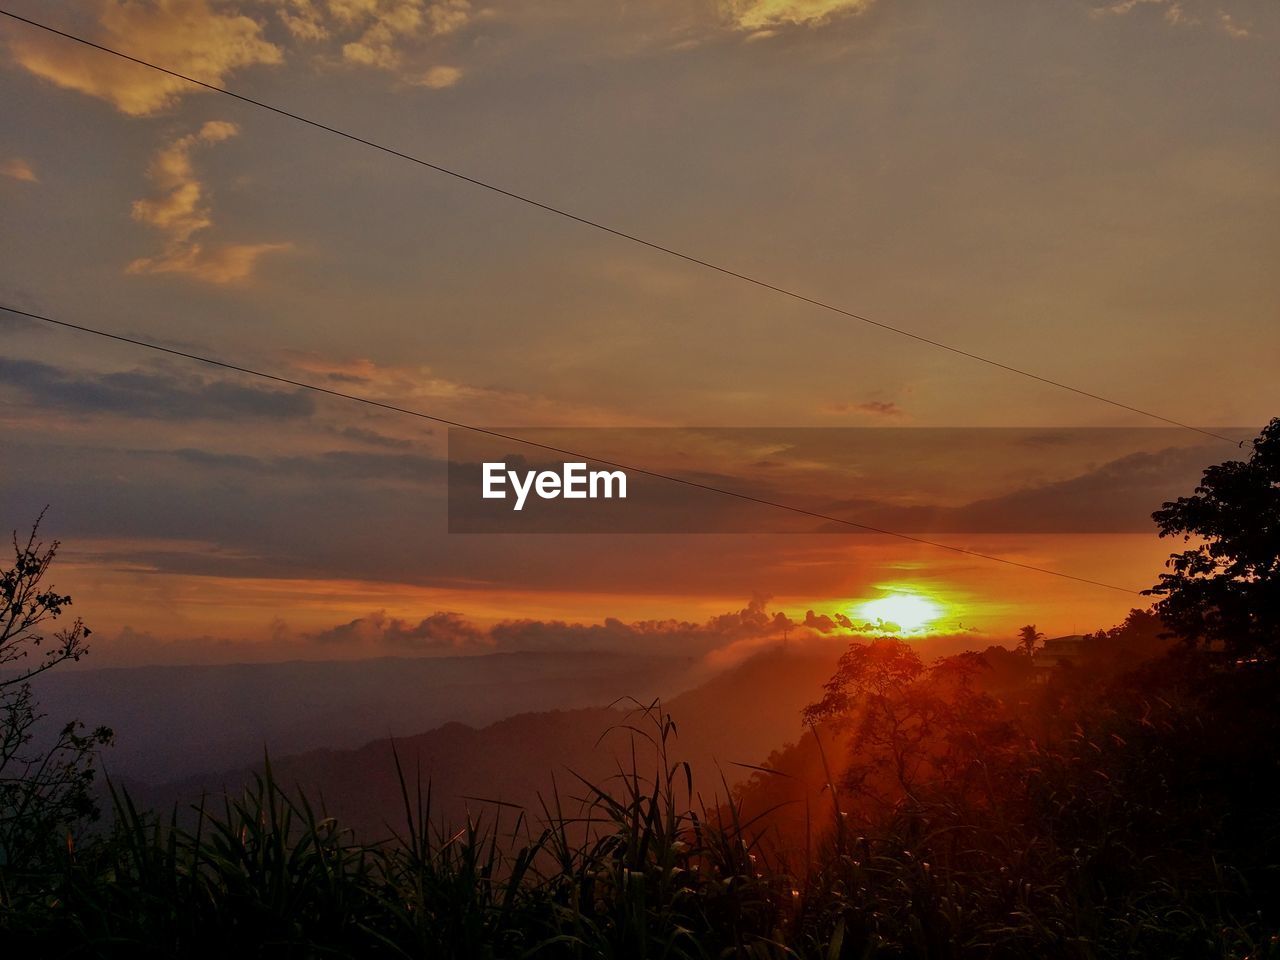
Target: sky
[{"x": 1085, "y": 190}]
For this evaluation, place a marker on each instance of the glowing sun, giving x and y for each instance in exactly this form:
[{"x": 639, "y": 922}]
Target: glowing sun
[{"x": 905, "y": 612}]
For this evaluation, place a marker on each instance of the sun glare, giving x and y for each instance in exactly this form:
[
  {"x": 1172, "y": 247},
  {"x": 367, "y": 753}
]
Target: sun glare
[{"x": 901, "y": 612}]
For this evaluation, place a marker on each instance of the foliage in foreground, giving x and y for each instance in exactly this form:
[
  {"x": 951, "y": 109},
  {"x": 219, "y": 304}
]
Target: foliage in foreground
[
  {"x": 1146, "y": 831},
  {"x": 46, "y": 777},
  {"x": 1223, "y": 591}
]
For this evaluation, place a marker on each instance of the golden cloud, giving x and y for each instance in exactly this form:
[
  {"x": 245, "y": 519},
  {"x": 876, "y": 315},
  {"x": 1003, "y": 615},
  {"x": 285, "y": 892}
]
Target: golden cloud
[
  {"x": 181, "y": 210},
  {"x": 378, "y": 33},
  {"x": 1176, "y": 13},
  {"x": 438, "y": 78},
  {"x": 210, "y": 41},
  {"x": 1232, "y": 27},
  {"x": 183, "y": 35},
  {"x": 303, "y": 19},
  {"x": 229, "y": 263},
  {"x": 387, "y": 23},
  {"x": 763, "y": 14}
]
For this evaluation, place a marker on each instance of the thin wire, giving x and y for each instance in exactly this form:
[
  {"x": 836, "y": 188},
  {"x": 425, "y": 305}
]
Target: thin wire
[
  {"x": 595, "y": 224},
  {"x": 791, "y": 508}
]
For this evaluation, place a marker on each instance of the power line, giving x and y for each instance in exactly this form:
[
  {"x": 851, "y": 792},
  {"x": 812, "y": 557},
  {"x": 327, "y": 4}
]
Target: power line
[
  {"x": 622, "y": 234},
  {"x": 791, "y": 508}
]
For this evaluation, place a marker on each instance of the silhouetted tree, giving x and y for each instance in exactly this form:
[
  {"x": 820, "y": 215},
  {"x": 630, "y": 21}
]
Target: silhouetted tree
[
  {"x": 912, "y": 726},
  {"x": 45, "y": 776},
  {"x": 1225, "y": 591},
  {"x": 1028, "y": 637}
]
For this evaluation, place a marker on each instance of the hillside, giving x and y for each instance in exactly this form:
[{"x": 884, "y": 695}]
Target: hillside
[
  {"x": 739, "y": 716},
  {"x": 175, "y": 722}
]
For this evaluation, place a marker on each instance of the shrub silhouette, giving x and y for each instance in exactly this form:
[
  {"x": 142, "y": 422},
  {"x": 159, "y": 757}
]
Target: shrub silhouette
[
  {"x": 1224, "y": 593},
  {"x": 45, "y": 778}
]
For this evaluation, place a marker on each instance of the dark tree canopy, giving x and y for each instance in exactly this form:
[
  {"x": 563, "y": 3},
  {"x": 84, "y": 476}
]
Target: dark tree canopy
[
  {"x": 1028, "y": 637},
  {"x": 46, "y": 778},
  {"x": 1224, "y": 592}
]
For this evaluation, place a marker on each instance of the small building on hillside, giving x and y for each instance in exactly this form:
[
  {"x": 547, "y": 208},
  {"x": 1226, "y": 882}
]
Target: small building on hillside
[{"x": 1056, "y": 652}]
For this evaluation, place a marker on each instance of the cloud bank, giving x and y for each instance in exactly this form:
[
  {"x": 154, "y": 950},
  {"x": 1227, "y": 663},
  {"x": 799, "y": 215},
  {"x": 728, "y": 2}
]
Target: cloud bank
[{"x": 729, "y": 635}]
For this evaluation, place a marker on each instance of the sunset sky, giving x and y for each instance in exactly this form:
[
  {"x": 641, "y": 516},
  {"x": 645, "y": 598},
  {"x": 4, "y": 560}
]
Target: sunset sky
[{"x": 1087, "y": 190}]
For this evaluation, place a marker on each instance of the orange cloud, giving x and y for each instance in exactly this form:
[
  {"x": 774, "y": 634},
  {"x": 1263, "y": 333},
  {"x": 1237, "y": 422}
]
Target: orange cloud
[
  {"x": 763, "y": 14},
  {"x": 181, "y": 211},
  {"x": 438, "y": 78},
  {"x": 229, "y": 263},
  {"x": 303, "y": 19},
  {"x": 18, "y": 169},
  {"x": 184, "y": 35},
  {"x": 379, "y": 33},
  {"x": 1176, "y": 14}
]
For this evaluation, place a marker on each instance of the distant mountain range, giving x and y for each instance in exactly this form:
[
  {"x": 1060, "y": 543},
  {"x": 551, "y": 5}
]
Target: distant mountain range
[
  {"x": 739, "y": 716},
  {"x": 175, "y": 722}
]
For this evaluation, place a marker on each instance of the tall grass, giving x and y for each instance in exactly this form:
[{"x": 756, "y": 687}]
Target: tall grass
[{"x": 639, "y": 866}]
